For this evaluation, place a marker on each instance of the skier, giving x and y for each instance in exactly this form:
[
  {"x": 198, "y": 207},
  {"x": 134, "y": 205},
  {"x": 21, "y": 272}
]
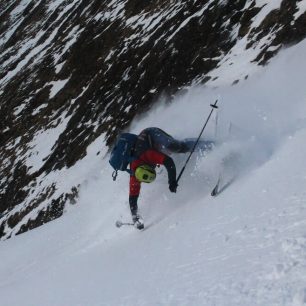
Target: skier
[{"x": 152, "y": 148}]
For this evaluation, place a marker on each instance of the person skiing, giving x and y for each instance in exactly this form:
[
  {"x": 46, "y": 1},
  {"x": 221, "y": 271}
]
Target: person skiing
[{"x": 152, "y": 148}]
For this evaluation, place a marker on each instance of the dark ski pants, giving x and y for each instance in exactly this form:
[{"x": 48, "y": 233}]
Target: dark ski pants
[{"x": 163, "y": 142}]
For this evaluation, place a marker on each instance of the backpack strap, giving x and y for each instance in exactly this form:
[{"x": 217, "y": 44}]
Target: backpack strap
[
  {"x": 129, "y": 171},
  {"x": 131, "y": 159}
]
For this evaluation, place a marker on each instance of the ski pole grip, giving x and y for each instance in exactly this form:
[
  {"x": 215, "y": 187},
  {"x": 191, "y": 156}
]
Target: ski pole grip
[{"x": 214, "y": 105}]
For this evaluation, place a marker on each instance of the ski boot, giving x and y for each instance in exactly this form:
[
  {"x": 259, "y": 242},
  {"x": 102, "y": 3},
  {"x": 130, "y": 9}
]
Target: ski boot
[{"x": 138, "y": 221}]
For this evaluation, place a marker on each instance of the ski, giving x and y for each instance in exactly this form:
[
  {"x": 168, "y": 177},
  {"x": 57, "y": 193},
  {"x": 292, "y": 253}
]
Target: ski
[
  {"x": 219, "y": 188},
  {"x": 216, "y": 190},
  {"x": 228, "y": 173},
  {"x": 230, "y": 163}
]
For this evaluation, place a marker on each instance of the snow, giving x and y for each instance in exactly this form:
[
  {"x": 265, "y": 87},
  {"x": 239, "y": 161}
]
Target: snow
[
  {"x": 116, "y": 9},
  {"x": 186, "y": 21},
  {"x": 19, "y": 109},
  {"x": 37, "y": 51},
  {"x": 42, "y": 143},
  {"x": 16, "y": 19},
  {"x": 239, "y": 62},
  {"x": 301, "y": 6},
  {"x": 22, "y": 50},
  {"x": 54, "y": 5},
  {"x": 56, "y": 86},
  {"x": 266, "y": 7},
  {"x": 59, "y": 67},
  {"x": 245, "y": 247},
  {"x": 70, "y": 40},
  {"x": 127, "y": 109}
]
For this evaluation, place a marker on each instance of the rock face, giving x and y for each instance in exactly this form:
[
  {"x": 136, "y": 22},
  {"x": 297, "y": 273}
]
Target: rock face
[{"x": 73, "y": 70}]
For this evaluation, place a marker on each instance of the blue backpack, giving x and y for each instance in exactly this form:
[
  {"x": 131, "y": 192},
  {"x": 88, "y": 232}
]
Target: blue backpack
[{"x": 122, "y": 155}]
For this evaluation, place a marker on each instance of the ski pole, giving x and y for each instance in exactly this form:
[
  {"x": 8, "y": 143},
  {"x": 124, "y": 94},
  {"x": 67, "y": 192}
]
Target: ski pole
[{"x": 197, "y": 141}]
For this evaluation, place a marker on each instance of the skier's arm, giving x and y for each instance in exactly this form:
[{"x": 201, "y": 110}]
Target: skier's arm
[
  {"x": 171, "y": 169},
  {"x": 162, "y": 159}
]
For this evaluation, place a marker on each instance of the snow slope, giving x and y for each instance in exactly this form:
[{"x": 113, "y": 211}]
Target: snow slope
[{"x": 245, "y": 247}]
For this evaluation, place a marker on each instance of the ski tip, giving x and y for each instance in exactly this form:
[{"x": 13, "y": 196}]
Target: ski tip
[{"x": 214, "y": 192}]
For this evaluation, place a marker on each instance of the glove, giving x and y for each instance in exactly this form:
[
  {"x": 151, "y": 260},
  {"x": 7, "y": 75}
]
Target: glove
[{"x": 173, "y": 186}]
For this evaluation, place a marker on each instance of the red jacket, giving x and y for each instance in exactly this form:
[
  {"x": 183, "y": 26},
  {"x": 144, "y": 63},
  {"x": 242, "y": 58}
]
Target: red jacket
[{"x": 150, "y": 157}]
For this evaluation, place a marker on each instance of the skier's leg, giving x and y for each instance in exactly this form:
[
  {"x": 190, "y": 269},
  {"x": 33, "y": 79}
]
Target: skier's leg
[
  {"x": 168, "y": 143},
  {"x": 157, "y": 139},
  {"x": 164, "y": 142},
  {"x": 203, "y": 145}
]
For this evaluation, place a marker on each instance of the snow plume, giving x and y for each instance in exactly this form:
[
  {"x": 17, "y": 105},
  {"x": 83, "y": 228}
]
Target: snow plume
[{"x": 254, "y": 118}]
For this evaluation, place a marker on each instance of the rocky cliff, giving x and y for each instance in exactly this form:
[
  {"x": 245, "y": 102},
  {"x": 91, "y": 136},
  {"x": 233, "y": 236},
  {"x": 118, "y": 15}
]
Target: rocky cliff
[{"x": 73, "y": 71}]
